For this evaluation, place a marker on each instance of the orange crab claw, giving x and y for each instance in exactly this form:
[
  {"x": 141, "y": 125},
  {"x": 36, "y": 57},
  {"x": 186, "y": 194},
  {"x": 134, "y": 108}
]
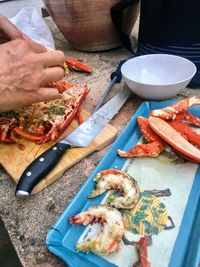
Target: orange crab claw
[
  {"x": 152, "y": 149},
  {"x": 77, "y": 65},
  {"x": 187, "y": 132},
  {"x": 187, "y": 116},
  {"x": 170, "y": 112},
  {"x": 172, "y": 137},
  {"x": 144, "y": 150}
]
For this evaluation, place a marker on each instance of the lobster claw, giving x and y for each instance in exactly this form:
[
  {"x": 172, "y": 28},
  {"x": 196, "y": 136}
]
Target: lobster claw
[
  {"x": 77, "y": 65},
  {"x": 175, "y": 139},
  {"x": 74, "y": 64},
  {"x": 154, "y": 147},
  {"x": 170, "y": 125}
]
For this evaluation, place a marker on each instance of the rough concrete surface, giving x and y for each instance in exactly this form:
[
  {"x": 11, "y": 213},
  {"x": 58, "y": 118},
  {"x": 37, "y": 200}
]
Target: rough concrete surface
[{"x": 28, "y": 221}]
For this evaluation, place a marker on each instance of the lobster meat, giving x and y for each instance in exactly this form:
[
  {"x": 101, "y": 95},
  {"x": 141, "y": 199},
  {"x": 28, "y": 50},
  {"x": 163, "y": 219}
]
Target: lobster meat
[
  {"x": 174, "y": 138},
  {"x": 170, "y": 125},
  {"x": 44, "y": 121}
]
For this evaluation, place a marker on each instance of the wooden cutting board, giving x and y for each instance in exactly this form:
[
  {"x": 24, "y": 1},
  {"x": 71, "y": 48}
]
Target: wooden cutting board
[{"x": 15, "y": 160}]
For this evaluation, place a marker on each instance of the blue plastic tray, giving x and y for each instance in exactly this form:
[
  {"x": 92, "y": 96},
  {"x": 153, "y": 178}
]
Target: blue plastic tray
[{"x": 62, "y": 236}]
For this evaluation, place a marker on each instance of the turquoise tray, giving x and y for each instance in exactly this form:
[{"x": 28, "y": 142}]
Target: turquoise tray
[{"x": 62, "y": 236}]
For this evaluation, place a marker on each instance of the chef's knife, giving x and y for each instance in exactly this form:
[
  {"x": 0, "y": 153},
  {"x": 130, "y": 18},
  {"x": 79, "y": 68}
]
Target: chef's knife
[{"x": 80, "y": 137}]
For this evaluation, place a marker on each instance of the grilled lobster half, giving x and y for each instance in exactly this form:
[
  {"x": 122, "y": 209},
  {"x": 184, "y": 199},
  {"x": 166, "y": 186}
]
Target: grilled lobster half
[{"x": 44, "y": 121}]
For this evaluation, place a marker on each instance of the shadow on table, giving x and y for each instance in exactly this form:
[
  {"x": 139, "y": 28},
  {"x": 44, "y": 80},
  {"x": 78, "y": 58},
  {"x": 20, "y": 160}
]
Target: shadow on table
[{"x": 8, "y": 255}]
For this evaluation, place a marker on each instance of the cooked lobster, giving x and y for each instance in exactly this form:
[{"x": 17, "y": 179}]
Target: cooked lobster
[
  {"x": 169, "y": 125},
  {"x": 44, "y": 121}
]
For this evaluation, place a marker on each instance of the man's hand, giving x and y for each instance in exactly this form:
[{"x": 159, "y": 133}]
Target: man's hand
[
  {"x": 8, "y": 31},
  {"x": 25, "y": 69}
]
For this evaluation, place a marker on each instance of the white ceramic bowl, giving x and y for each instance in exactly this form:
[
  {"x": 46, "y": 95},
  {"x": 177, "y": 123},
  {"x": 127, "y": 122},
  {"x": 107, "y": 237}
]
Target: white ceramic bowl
[{"x": 157, "y": 76}]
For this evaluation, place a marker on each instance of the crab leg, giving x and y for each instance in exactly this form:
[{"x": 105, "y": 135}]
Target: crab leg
[
  {"x": 74, "y": 64},
  {"x": 187, "y": 116},
  {"x": 142, "y": 252},
  {"x": 4, "y": 134},
  {"x": 26, "y": 135},
  {"x": 171, "y": 112},
  {"x": 155, "y": 146},
  {"x": 172, "y": 137},
  {"x": 187, "y": 132},
  {"x": 77, "y": 65}
]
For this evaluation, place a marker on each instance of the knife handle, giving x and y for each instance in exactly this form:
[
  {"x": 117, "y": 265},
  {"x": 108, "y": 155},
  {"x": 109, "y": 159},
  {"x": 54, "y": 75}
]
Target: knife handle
[
  {"x": 39, "y": 168},
  {"x": 117, "y": 73}
]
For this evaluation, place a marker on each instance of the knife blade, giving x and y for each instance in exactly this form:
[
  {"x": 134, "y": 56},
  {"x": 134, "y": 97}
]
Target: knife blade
[{"x": 82, "y": 136}]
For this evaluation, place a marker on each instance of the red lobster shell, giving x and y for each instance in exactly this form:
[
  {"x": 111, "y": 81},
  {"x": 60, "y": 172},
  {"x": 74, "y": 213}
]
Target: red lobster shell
[
  {"x": 44, "y": 121},
  {"x": 169, "y": 125}
]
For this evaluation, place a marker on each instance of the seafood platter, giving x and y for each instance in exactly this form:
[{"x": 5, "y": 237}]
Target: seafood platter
[{"x": 140, "y": 206}]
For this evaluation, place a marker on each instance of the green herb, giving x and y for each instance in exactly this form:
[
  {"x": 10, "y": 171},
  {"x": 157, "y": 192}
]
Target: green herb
[
  {"x": 57, "y": 108},
  {"x": 10, "y": 114}
]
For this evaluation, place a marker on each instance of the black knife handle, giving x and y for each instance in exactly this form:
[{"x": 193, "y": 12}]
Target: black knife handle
[
  {"x": 39, "y": 168},
  {"x": 117, "y": 73}
]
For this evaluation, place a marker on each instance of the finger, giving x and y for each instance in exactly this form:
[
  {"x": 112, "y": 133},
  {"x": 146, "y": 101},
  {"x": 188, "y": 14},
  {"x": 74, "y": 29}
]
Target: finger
[
  {"x": 53, "y": 74},
  {"x": 52, "y": 58},
  {"x": 43, "y": 94},
  {"x": 9, "y": 29},
  {"x": 36, "y": 47},
  {"x": 47, "y": 94}
]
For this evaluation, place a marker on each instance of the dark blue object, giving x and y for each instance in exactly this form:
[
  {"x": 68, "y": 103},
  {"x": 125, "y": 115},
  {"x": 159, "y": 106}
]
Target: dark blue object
[
  {"x": 115, "y": 77},
  {"x": 165, "y": 26},
  {"x": 39, "y": 168}
]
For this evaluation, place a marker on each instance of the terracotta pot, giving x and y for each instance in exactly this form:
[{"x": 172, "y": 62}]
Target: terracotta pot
[{"x": 87, "y": 24}]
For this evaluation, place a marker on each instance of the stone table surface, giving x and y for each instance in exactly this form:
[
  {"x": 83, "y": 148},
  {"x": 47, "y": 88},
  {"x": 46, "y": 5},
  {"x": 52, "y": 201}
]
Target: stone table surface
[{"x": 28, "y": 221}]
